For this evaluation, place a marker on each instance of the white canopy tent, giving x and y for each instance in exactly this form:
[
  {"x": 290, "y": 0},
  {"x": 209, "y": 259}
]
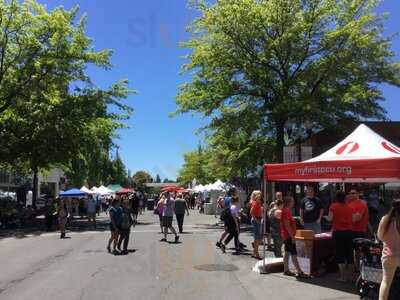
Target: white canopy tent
[
  {"x": 87, "y": 191},
  {"x": 103, "y": 191}
]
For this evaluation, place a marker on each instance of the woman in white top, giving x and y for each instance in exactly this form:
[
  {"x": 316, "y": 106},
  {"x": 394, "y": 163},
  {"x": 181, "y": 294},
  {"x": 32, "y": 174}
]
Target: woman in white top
[{"x": 389, "y": 234}]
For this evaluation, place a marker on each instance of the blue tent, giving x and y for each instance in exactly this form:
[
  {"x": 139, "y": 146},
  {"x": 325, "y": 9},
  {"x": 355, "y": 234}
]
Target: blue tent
[{"x": 73, "y": 193}]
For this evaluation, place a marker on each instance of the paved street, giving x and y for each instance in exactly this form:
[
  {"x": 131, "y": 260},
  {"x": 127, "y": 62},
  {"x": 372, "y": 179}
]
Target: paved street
[{"x": 40, "y": 266}]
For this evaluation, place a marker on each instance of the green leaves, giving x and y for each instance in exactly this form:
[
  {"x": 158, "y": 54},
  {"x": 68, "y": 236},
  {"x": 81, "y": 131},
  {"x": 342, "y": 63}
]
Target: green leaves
[
  {"x": 51, "y": 113},
  {"x": 257, "y": 64}
]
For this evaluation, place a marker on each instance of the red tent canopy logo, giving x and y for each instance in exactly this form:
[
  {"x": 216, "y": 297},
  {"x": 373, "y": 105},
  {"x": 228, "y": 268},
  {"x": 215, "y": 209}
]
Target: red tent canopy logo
[
  {"x": 391, "y": 148},
  {"x": 349, "y": 148}
]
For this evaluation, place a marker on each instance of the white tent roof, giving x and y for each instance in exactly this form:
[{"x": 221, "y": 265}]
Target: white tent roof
[
  {"x": 363, "y": 143},
  {"x": 104, "y": 191},
  {"x": 87, "y": 191}
]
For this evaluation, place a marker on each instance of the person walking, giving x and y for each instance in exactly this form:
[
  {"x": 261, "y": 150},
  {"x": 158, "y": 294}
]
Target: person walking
[
  {"x": 49, "y": 214},
  {"x": 341, "y": 216},
  {"x": 63, "y": 214},
  {"x": 91, "y": 209},
  {"x": 115, "y": 213},
  {"x": 275, "y": 214},
  {"x": 232, "y": 223},
  {"x": 159, "y": 211},
  {"x": 168, "y": 215},
  {"x": 135, "y": 206},
  {"x": 256, "y": 213},
  {"x": 389, "y": 234},
  {"x": 288, "y": 232},
  {"x": 127, "y": 222},
  {"x": 311, "y": 211},
  {"x": 180, "y": 209}
]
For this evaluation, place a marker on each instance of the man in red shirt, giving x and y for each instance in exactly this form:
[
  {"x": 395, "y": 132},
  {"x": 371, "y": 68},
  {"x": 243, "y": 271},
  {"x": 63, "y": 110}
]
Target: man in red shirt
[
  {"x": 288, "y": 232},
  {"x": 360, "y": 214},
  {"x": 360, "y": 220}
]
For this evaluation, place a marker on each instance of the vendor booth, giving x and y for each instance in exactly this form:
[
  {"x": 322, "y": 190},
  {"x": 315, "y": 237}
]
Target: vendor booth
[{"x": 362, "y": 157}]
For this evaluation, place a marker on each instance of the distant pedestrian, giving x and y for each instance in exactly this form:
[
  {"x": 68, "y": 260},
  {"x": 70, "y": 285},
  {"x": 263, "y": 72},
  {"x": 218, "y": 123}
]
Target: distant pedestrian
[
  {"x": 91, "y": 209},
  {"x": 127, "y": 222},
  {"x": 49, "y": 214},
  {"x": 135, "y": 206},
  {"x": 168, "y": 215},
  {"x": 62, "y": 217},
  {"x": 159, "y": 211},
  {"x": 180, "y": 209},
  {"x": 115, "y": 213}
]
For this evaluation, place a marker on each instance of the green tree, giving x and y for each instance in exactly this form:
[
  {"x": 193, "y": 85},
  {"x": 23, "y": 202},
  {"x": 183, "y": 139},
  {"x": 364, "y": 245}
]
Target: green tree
[
  {"x": 280, "y": 60},
  {"x": 50, "y": 111},
  {"x": 194, "y": 166},
  {"x": 118, "y": 173},
  {"x": 140, "y": 178}
]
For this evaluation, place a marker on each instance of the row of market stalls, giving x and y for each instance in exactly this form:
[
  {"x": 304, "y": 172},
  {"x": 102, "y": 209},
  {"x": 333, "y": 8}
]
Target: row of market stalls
[
  {"x": 362, "y": 157},
  {"x": 101, "y": 191}
]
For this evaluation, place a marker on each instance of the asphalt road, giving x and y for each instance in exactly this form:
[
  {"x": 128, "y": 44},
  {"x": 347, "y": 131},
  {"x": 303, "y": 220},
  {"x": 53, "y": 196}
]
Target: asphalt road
[{"x": 41, "y": 266}]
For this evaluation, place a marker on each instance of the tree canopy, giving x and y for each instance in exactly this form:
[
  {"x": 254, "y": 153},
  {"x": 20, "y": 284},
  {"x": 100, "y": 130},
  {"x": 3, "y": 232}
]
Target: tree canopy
[
  {"x": 257, "y": 64},
  {"x": 51, "y": 112}
]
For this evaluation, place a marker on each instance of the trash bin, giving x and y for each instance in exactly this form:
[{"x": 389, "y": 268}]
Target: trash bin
[{"x": 150, "y": 204}]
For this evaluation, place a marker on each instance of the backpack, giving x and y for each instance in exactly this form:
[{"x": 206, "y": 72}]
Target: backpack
[{"x": 226, "y": 214}]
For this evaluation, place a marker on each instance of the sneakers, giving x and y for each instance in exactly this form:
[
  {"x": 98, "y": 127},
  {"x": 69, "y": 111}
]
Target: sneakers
[
  {"x": 218, "y": 244},
  {"x": 223, "y": 248},
  {"x": 176, "y": 238},
  {"x": 163, "y": 240}
]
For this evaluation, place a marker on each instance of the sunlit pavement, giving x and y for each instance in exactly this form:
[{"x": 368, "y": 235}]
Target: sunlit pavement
[{"x": 41, "y": 266}]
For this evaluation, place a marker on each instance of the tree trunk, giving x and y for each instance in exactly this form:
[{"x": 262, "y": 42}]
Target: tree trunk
[{"x": 35, "y": 186}]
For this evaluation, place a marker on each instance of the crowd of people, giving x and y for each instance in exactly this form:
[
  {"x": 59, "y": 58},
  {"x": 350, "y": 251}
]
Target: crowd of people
[{"x": 349, "y": 218}]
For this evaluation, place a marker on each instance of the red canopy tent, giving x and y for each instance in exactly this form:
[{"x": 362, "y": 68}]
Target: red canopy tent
[
  {"x": 171, "y": 188},
  {"x": 364, "y": 156},
  {"x": 125, "y": 191}
]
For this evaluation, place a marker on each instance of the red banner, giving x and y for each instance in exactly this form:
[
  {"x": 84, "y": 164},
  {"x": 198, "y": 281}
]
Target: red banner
[{"x": 369, "y": 170}]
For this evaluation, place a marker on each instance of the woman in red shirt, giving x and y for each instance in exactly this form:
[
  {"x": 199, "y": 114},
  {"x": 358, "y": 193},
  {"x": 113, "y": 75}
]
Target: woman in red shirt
[
  {"x": 288, "y": 232},
  {"x": 341, "y": 216},
  {"x": 256, "y": 213}
]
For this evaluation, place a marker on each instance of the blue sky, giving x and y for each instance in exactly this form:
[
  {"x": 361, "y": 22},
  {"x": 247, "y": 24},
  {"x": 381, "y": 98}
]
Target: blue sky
[{"x": 144, "y": 35}]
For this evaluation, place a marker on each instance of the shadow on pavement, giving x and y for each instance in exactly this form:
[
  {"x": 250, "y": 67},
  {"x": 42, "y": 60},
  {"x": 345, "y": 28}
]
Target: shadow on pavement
[{"x": 329, "y": 281}]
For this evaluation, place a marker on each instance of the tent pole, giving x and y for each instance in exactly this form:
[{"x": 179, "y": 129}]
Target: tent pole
[{"x": 264, "y": 223}]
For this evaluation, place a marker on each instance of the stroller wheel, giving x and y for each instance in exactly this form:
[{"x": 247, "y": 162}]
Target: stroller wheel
[{"x": 362, "y": 287}]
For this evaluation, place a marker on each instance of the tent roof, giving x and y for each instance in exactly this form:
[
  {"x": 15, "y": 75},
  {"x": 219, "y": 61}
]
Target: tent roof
[
  {"x": 363, "y": 156},
  {"x": 114, "y": 187},
  {"x": 125, "y": 191},
  {"x": 73, "y": 193},
  {"x": 104, "y": 191},
  {"x": 363, "y": 143}
]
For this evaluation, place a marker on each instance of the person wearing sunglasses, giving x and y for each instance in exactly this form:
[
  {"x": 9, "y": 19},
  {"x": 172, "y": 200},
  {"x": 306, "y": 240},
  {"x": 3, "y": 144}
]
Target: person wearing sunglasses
[{"x": 360, "y": 220}]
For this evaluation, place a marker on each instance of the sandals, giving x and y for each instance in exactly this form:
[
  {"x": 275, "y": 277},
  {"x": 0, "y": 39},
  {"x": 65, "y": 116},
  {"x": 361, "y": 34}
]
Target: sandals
[
  {"x": 302, "y": 276},
  {"x": 288, "y": 273}
]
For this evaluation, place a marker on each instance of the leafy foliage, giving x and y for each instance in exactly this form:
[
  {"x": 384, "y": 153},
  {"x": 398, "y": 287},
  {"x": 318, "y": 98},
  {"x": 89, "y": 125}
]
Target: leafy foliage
[
  {"x": 51, "y": 113},
  {"x": 257, "y": 64}
]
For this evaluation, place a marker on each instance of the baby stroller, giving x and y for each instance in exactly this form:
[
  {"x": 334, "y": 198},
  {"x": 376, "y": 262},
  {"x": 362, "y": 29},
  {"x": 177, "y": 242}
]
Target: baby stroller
[{"x": 370, "y": 266}]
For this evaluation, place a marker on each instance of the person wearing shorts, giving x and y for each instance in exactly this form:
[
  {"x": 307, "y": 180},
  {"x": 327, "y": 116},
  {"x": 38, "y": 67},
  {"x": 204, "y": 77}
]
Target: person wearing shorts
[
  {"x": 288, "y": 232},
  {"x": 168, "y": 215},
  {"x": 256, "y": 213},
  {"x": 115, "y": 213}
]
